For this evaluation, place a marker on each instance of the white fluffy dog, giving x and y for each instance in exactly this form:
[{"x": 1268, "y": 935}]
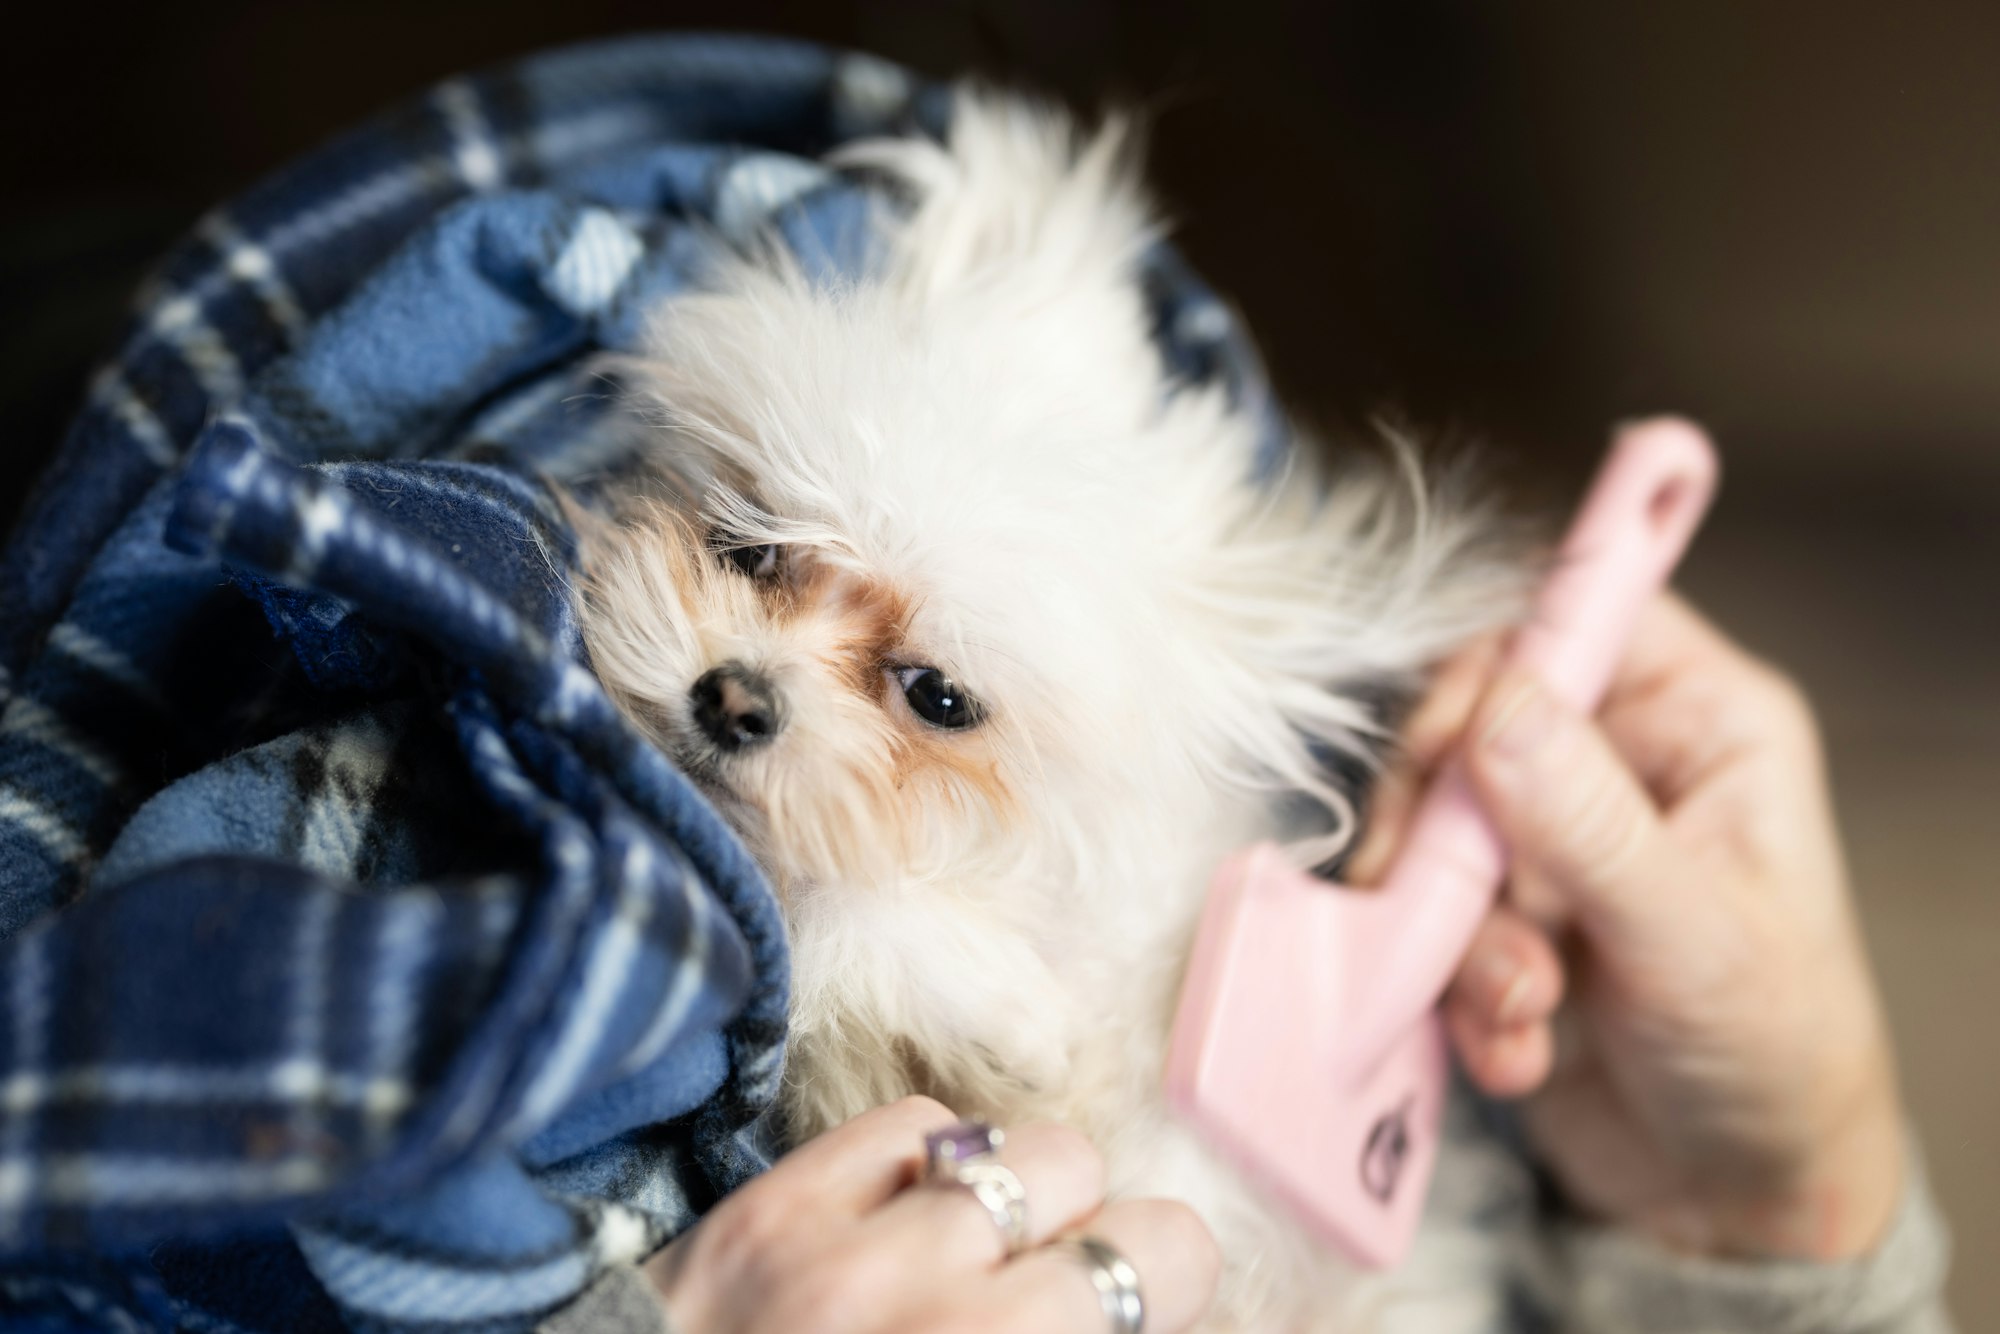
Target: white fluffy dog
[{"x": 988, "y": 639}]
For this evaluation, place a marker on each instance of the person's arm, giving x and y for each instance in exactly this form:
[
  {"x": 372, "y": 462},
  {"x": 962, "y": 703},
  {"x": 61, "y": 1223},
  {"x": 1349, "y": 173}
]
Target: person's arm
[
  {"x": 1675, "y": 988},
  {"x": 1621, "y": 1282}
]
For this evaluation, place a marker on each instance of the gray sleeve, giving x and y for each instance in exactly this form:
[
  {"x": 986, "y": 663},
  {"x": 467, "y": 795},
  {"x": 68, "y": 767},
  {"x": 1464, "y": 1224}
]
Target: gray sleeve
[
  {"x": 621, "y": 1301},
  {"x": 1621, "y": 1284}
]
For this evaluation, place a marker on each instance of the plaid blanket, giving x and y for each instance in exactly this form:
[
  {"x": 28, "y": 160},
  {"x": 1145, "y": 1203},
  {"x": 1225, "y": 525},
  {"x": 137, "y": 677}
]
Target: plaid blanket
[{"x": 359, "y": 965}]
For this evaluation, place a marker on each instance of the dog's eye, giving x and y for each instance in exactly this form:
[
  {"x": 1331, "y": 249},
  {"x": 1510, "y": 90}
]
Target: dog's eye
[
  {"x": 757, "y": 562},
  {"x": 936, "y": 700}
]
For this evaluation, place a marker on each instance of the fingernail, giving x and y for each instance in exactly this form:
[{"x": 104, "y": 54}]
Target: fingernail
[
  {"x": 1501, "y": 974},
  {"x": 1513, "y": 1000},
  {"x": 1523, "y": 721}
]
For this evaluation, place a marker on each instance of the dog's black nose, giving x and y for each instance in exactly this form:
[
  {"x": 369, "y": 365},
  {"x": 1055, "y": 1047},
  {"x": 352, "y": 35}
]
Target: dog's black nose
[{"x": 735, "y": 707}]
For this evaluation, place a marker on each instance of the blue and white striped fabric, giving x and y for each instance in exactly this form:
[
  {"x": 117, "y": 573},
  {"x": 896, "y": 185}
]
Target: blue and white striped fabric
[{"x": 359, "y": 965}]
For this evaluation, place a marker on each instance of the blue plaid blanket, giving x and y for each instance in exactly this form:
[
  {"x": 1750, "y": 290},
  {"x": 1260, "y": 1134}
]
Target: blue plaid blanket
[{"x": 359, "y": 965}]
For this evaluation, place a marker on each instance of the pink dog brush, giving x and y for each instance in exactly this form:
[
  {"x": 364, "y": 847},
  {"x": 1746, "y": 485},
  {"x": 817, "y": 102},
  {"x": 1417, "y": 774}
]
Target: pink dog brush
[{"x": 1307, "y": 1048}]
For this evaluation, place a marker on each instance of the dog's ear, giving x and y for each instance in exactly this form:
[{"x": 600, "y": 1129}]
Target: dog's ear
[
  {"x": 1018, "y": 201},
  {"x": 1343, "y": 587}
]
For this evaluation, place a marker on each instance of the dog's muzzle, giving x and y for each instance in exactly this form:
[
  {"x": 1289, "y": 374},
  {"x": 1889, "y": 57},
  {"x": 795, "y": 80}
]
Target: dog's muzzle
[{"x": 736, "y": 708}]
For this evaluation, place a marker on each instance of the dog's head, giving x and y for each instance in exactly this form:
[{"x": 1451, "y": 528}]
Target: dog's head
[{"x": 949, "y": 596}]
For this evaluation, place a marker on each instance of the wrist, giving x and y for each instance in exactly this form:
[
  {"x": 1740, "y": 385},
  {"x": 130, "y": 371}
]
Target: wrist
[{"x": 1837, "y": 1206}]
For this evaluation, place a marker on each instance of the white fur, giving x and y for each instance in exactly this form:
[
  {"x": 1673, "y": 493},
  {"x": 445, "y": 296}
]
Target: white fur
[{"x": 975, "y": 462}]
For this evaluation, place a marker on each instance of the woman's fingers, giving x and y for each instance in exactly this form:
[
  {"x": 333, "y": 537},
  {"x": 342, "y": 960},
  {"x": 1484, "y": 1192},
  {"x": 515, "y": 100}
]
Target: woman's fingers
[
  {"x": 1499, "y": 1008},
  {"x": 1511, "y": 973},
  {"x": 859, "y": 1164},
  {"x": 1389, "y": 808},
  {"x": 1061, "y": 1176},
  {"x": 1509, "y": 1062},
  {"x": 1669, "y": 638},
  {"x": 1455, "y": 691},
  {"x": 1572, "y": 811},
  {"x": 1425, "y": 739},
  {"x": 772, "y": 1245},
  {"x": 1686, "y": 701},
  {"x": 1049, "y": 1291},
  {"x": 789, "y": 1248}
]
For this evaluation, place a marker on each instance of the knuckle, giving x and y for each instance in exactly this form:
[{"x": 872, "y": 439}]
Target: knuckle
[
  {"x": 1783, "y": 701},
  {"x": 1072, "y": 1155},
  {"x": 1602, "y": 833}
]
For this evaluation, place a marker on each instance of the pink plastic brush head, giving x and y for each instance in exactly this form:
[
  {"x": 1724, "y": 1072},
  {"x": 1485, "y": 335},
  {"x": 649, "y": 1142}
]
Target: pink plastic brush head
[
  {"x": 1307, "y": 1047},
  {"x": 1346, "y": 1151}
]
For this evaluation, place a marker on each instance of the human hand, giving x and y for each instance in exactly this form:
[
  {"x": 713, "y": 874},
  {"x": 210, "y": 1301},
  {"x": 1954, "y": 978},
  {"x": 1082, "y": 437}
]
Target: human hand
[
  {"x": 1673, "y": 979},
  {"x": 833, "y": 1240}
]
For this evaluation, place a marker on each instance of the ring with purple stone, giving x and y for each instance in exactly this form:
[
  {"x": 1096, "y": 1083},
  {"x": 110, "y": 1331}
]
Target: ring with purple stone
[{"x": 968, "y": 1155}]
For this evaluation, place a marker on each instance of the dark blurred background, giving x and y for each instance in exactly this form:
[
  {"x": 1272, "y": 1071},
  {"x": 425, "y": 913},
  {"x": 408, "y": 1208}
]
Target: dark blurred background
[{"x": 1520, "y": 221}]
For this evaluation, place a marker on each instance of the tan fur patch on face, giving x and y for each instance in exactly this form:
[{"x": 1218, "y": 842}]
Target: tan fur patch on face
[
  {"x": 965, "y": 775},
  {"x": 857, "y": 786},
  {"x": 861, "y": 633},
  {"x": 856, "y": 622},
  {"x": 924, "y": 781}
]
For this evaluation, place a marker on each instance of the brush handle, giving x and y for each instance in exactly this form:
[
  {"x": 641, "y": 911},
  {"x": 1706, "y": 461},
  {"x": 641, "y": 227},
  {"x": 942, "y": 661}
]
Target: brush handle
[{"x": 1635, "y": 522}]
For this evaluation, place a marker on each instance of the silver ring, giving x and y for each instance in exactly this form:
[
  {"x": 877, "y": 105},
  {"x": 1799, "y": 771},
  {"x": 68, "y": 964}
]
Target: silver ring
[
  {"x": 1116, "y": 1281},
  {"x": 967, "y": 1155}
]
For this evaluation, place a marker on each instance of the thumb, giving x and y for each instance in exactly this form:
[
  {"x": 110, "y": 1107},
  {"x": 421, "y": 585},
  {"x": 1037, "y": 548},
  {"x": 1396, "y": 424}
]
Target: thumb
[{"x": 1576, "y": 818}]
